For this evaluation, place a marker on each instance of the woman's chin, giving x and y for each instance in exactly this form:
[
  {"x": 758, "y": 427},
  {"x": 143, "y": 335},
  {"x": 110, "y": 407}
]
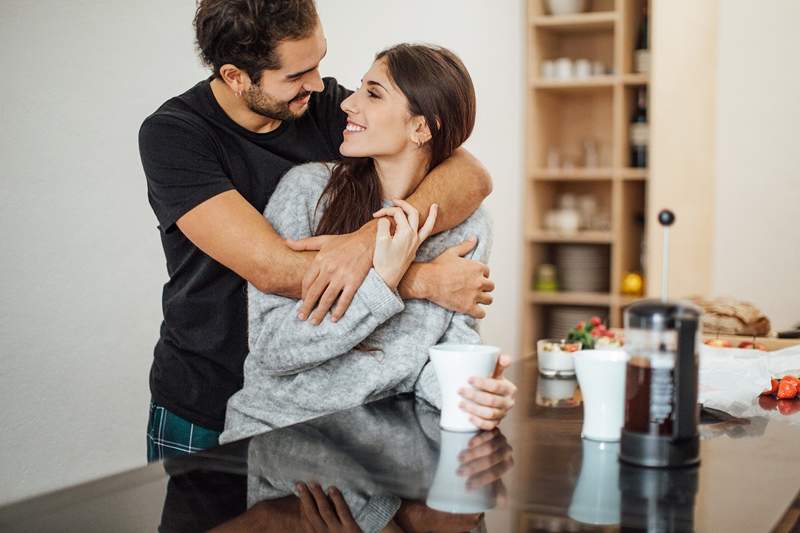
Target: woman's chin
[{"x": 351, "y": 151}]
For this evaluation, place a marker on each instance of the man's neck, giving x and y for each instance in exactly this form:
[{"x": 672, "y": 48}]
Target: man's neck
[
  {"x": 237, "y": 110},
  {"x": 401, "y": 174}
]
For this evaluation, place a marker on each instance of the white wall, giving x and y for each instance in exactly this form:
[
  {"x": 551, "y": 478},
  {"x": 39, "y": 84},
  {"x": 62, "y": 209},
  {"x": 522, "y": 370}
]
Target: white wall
[
  {"x": 81, "y": 269},
  {"x": 756, "y": 245}
]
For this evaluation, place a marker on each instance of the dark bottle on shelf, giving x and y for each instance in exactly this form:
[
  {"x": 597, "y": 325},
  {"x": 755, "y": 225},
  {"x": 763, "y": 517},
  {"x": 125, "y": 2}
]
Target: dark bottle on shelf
[
  {"x": 639, "y": 131},
  {"x": 641, "y": 55}
]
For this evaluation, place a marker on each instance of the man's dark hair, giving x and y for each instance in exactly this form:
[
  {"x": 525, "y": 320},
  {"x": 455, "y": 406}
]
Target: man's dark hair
[{"x": 246, "y": 33}]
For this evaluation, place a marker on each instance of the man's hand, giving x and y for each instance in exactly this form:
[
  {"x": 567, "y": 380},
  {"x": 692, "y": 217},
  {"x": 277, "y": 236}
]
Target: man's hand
[
  {"x": 337, "y": 272},
  {"x": 416, "y": 517},
  {"x": 460, "y": 284}
]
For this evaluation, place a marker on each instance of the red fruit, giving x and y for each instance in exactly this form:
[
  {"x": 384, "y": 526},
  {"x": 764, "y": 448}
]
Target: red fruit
[
  {"x": 754, "y": 346},
  {"x": 596, "y": 332},
  {"x": 787, "y": 389},
  {"x": 609, "y": 334},
  {"x": 788, "y": 407},
  {"x": 596, "y": 321},
  {"x": 773, "y": 387}
]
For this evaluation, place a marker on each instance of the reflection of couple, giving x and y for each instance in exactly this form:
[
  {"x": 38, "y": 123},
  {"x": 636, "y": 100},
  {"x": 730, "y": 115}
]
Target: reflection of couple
[
  {"x": 377, "y": 462},
  {"x": 217, "y": 154}
]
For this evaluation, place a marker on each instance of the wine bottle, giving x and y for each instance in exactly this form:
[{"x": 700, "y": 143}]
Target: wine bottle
[
  {"x": 641, "y": 55},
  {"x": 639, "y": 131}
]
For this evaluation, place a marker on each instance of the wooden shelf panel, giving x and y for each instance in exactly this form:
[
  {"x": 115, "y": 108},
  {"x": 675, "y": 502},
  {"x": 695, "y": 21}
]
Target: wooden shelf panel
[
  {"x": 594, "y": 83},
  {"x": 575, "y": 174},
  {"x": 570, "y": 298},
  {"x": 590, "y": 237},
  {"x": 597, "y": 21},
  {"x": 633, "y": 173},
  {"x": 635, "y": 79}
]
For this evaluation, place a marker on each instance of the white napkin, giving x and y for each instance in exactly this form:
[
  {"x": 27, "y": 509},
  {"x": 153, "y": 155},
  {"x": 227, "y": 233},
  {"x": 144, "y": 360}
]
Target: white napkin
[{"x": 731, "y": 379}]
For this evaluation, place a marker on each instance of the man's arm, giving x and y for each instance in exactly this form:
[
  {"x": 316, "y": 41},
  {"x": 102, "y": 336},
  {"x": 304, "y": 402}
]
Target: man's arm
[
  {"x": 232, "y": 232},
  {"x": 458, "y": 185}
]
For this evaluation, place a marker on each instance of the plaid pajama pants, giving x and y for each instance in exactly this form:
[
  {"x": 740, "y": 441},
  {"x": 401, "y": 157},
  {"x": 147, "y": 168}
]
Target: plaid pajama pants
[{"x": 169, "y": 435}]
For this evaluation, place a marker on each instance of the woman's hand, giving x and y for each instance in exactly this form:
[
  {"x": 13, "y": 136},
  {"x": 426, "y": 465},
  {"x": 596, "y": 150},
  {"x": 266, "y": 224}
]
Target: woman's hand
[
  {"x": 395, "y": 253},
  {"x": 491, "y": 399}
]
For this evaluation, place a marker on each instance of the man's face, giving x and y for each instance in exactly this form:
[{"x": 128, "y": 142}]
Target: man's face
[{"x": 283, "y": 94}]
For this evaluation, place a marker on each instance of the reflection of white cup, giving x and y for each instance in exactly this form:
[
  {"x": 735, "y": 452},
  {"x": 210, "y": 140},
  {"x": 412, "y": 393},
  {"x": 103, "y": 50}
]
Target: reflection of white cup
[
  {"x": 449, "y": 492},
  {"x": 596, "y": 499},
  {"x": 454, "y": 365},
  {"x": 601, "y": 376}
]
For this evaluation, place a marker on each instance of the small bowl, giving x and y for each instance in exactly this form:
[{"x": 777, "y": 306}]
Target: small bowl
[{"x": 555, "y": 357}]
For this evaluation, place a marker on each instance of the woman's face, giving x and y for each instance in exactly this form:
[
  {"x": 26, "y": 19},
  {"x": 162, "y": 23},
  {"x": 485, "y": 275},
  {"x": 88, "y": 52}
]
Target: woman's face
[{"x": 378, "y": 121}]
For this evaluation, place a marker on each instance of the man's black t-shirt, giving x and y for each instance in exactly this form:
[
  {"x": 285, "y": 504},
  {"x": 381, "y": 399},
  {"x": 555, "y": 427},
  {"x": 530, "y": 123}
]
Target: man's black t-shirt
[{"x": 191, "y": 151}]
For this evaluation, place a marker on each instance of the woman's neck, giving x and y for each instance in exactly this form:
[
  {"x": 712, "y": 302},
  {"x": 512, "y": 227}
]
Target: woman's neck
[{"x": 401, "y": 174}]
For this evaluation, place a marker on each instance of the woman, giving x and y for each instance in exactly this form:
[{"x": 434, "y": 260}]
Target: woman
[{"x": 416, "y": 105}]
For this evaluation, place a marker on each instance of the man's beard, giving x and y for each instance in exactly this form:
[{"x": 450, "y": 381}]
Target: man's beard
[{"x": 268, "y": 107}]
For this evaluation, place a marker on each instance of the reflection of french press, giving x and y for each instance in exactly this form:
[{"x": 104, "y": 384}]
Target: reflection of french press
[{"x": 661, "y": 412}]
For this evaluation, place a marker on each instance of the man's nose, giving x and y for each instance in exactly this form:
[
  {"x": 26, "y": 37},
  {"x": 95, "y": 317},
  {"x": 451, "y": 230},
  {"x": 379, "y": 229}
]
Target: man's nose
[{"x": 314, "y": 83}]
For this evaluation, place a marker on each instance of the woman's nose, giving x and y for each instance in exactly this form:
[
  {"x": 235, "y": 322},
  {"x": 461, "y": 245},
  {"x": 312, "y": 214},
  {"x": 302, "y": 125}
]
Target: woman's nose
[{"x": 348, "y": 104}]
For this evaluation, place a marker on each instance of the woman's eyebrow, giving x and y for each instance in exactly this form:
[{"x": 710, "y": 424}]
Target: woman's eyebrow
[{"x": 373, "y": 82}]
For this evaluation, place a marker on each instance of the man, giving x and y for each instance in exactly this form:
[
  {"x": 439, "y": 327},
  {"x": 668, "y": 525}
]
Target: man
[{"x": 212, "y": 157}]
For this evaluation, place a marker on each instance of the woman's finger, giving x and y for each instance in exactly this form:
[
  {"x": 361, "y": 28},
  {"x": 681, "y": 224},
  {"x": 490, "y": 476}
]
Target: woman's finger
[
  {"x": 487, "y": 399},
  {"x": 427, "y": 228},
  {"x": 343, "y": 303},
  {"x": 482, "y": 411},
  {"x": 381, "y": 212},
  {"x": 400, "y": 220},
  {"x": 500, "y": 387},
  {"x": 411, "y": 213},
  {"x": 487, "y": 285},
  {"x": 384, "y": 230}
]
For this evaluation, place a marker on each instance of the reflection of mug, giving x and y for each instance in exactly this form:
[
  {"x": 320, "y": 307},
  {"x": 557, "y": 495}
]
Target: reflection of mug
[
  {"x": 596, "y": 499},
  {"x": 449, "y": 492},
  {"x": 601, "y": 376},
  {"x": 454, "y": 365}
]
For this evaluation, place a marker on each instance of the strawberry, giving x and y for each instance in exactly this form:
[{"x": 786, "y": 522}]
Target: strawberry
[{"x": 787, "y": 389}]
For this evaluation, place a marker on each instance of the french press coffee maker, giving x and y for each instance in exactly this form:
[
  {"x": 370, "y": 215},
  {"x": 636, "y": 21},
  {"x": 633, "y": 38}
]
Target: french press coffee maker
[{"x": 662, "y": 339}]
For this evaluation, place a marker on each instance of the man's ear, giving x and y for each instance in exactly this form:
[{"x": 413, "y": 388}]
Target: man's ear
[
  {"x": 235, "y": 78},
  {"x": 421, "y": 133}
]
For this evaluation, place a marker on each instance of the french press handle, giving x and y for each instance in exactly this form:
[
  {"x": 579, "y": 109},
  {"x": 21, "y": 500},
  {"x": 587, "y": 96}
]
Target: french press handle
[{"x": 685, "y": 411}]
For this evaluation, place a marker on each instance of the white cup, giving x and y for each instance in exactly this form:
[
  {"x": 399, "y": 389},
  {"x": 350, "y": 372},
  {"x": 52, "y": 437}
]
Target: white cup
[
  {"x": 601, "y": 376},
  {"x": 563, "y": 69},
  {"x": 454, "y": 365},
  {"x": 449, "y": 492},
  {"x": 596, "y": 499},
  {"x": 548, "y": 69},
  {"x": 583, "y": 68}
]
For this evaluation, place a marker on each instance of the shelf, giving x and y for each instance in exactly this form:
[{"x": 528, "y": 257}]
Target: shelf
[
  {"x": 635, "y": 79},
  {"x": 594, "y": 83},
  {"x": 633, "y": 174},
  {"x": 576, "y": 174},
  {"x": 569, "y": 298},
  {"x": 598, "y": 21},
  {"x": 625, "y": 300},
  {"x": 586, "y": 237}
]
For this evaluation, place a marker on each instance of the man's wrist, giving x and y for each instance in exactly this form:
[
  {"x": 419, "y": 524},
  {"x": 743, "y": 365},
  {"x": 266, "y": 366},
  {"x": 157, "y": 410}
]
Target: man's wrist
[
  {"x": 418, "y": 284},
  {"x": 367, "y": 234}
]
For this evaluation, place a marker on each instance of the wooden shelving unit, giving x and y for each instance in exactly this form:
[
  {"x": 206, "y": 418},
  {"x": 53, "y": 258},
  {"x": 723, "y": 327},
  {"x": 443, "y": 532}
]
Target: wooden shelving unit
[{"x": 562, "y": 114}]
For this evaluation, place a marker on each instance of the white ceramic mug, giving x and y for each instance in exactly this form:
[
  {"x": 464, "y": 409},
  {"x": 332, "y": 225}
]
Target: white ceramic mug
[
  {"x": 583, "y": 68},
  {"x": 449, "y": 492},
  {"x": 564, "y": 68},
  {"x": 454, "y": 365},
  {"x": 596, "y": 499},
  {"x": 601, "y": 376}
]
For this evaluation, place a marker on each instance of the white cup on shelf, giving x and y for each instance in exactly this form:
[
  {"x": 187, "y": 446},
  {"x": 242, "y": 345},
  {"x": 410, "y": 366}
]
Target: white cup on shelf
[
  {"x": 564, "y": 68},
  {"x": 454, "y": 365},
  {"x": 583, "y": 69}
]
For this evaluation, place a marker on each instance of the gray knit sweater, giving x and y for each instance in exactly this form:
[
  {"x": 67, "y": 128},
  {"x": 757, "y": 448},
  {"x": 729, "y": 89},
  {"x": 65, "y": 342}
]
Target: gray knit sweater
[{"x": 296, "y": 371}]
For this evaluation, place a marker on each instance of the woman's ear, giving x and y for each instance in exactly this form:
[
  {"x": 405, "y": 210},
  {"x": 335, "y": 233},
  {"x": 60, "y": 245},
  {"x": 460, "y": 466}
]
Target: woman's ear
[{"x": 420, "y": 133}]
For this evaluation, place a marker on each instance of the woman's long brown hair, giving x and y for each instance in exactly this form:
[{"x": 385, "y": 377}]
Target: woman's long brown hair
[{"x": 439, "y": 88}]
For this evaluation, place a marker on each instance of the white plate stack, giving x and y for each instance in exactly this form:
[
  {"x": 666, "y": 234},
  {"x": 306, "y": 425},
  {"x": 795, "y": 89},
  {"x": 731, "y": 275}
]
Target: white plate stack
[
  {"x": 582, "y": 267},
  {"x": 564, "y": 318}
]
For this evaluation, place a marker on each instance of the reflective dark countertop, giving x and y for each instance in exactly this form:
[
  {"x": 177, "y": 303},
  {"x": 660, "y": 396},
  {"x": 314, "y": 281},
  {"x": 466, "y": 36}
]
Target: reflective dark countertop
[{"x": 536, "y": 474}]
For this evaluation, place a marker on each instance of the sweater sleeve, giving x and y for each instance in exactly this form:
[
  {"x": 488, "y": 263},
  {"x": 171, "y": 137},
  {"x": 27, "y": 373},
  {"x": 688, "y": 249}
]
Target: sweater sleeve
[{"x": 281, "y": 343}]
